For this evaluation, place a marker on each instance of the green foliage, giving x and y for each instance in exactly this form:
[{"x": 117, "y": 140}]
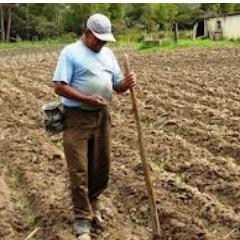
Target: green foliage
[
  {"x": 185, "y": 34},
  {"x": 219, "y": 8},
  {"x": 186, "y": 15},
  {"x": 226, "y": 7},
  {"x": 133, "y": 35},
  {"x": 209, "y": 7},
  {"x": 76, "y": 15},
  {"x": 44, "y": 28},
  {"x": 51, "y": 20},
  {"x": 236, "y": 7},
  {"x": 116, "y": 11},
  {"x": 166, "y": 15},
  {"x": 133, "y": 15},
  {"x": 41, "y": 9},
  {"x": 31, "y": 220},
  {"x": 69, "y": 37}
]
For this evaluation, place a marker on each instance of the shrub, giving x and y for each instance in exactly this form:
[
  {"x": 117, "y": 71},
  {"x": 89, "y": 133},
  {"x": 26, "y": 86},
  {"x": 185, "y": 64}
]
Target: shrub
[{"x": 69, "y": 37}]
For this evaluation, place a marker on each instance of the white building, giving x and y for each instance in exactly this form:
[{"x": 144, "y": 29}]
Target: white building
[{"x": 225, "y": 26}]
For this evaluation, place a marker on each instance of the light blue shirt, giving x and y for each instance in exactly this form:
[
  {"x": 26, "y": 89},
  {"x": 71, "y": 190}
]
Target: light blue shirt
[{"x": 87, "y": 71}]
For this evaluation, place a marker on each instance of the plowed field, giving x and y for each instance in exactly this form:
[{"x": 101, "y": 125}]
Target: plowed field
[{"x": 189, "y": 102}]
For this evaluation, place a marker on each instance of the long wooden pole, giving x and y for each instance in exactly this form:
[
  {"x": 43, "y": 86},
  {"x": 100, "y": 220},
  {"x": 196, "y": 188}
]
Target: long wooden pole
[{"x": 154, "y": 215}]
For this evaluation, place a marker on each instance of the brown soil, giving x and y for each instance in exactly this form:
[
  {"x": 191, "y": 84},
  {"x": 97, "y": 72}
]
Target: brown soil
[{"x": 189, "y": 105}]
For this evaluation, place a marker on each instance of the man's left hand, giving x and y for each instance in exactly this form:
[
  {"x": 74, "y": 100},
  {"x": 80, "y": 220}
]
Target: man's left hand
[{"x": 130, "y": 80}]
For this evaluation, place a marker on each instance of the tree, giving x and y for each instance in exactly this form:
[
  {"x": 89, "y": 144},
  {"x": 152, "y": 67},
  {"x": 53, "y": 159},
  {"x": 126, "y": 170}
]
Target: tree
[
  {"x": 46, "y": 16},
  {"x": 2, "y": 23},
  {"x": 43, "y": 20},
  {"x": 236, "y": 7},
  {"x": 117, "y": 15},
  {"x": 166, "y": 15},
  {"x": 148, "y": 17},
  {"x": 142, "y": 16},
  {"x": 226, "y": 7},
  {"x": 133, "y": 14},
  {"x": 75, "y": 16},
  {"x": 6, "y": 29},
  {"x": 187, "y": 14},
  {"x": 9, "y": 23}
]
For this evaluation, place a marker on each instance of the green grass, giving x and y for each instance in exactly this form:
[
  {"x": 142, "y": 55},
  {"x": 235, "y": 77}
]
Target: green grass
[
  {"x": 166, "y": 44},
  {"x": 238, "y": 213},
  {"x": 32, "y": 44},
  {"x": 31, "y": 220},
  {"x": 169, "y": 44},
  {"x": 180, "y": 177},
  {"x": 58, "y": 143},
  {"x": 221, "y": 199},
  {"x": 123, "y": 43},
  {"x": 21, "y": 202},
  {"x": 161, "y": 166},
  {"x": 135, "y": 219}
]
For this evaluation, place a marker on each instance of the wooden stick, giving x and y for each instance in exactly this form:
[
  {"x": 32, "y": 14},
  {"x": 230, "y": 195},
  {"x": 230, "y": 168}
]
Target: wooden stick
[
  {"x": 154, "y": 215},
  {"x": 32, "y": 233}
]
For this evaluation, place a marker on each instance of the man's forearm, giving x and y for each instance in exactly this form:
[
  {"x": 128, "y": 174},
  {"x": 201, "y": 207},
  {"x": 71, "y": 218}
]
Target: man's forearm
[
  {"x": 67, "y": 91},
  {"x": 64, "y": 90}
]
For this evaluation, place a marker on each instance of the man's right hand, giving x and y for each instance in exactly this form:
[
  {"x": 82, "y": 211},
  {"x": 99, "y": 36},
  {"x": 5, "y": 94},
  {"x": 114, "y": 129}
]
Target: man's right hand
[
  {"x": 63, "y": 89},
  {"x": 96, "y": 100}
]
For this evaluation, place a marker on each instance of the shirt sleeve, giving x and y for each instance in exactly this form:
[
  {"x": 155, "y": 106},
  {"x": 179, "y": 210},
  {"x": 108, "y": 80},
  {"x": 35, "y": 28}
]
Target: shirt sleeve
[
  {"x": 64, "y": 68},
  {"x": 117, "y": 73}
]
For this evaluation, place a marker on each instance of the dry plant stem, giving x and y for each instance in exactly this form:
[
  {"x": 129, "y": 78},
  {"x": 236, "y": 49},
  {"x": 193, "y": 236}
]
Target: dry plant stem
[
  {"x": 32, "y": 233},
  {"x": 152, "y": 202},
  {"x": 106, "y": 235},
  {"x": 229, "y": 234}
]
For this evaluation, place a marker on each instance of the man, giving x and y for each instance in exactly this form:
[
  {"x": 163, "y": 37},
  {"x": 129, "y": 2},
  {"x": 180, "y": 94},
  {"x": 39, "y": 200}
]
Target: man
[{"x": 85, "y": 75}]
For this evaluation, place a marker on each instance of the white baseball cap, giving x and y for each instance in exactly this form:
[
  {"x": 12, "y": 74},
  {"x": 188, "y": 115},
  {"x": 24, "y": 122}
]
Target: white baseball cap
[{"x": 100, "y": 26}]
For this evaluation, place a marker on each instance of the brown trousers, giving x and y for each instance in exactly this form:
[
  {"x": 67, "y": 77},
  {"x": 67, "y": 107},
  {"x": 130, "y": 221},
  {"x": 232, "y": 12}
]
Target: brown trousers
[{"x": 86, "y": 141}]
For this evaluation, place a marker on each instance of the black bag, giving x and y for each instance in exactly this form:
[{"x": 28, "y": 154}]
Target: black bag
[{"x": 53, "y": 117}]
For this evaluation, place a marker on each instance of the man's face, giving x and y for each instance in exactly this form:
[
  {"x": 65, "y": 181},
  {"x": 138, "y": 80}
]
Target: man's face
[{"x": 94, "y": 43}]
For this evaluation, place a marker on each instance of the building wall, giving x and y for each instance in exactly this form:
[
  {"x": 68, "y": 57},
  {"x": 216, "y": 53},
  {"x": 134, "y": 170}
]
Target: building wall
[{"x": 230, "y": 26}]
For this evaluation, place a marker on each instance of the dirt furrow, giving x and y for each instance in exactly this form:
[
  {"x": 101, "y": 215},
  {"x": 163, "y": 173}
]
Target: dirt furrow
[{"x": 189, "y": 104}]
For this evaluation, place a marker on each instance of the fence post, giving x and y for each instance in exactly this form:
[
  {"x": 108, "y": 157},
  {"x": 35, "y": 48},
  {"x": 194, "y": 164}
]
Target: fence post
[{"x": 176, "y": 34}]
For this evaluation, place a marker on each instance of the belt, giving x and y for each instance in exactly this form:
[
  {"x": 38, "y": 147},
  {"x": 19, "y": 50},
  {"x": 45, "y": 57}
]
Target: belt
[{"x": 79, "y": 109}]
